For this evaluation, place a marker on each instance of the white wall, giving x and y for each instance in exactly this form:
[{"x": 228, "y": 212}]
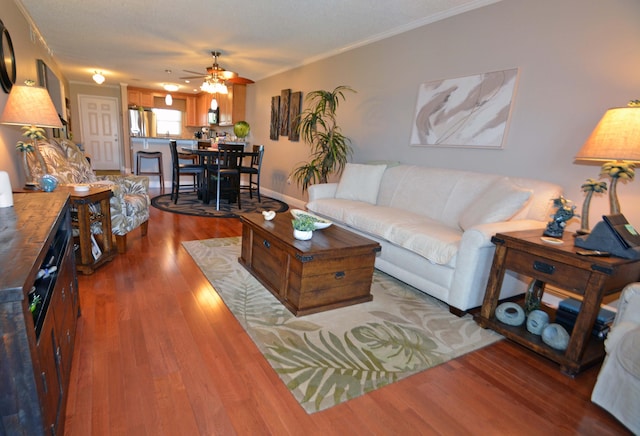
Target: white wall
[
  {"x": 576, "y": 58},
  {"x": 28, "y": 48}
]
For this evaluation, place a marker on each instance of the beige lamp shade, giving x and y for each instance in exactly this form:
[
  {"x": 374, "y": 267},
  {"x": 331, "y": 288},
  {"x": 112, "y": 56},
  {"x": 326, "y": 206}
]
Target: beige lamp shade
[
  {"x": 616, "y": 137},
  {"x": 30, "y": 106}
]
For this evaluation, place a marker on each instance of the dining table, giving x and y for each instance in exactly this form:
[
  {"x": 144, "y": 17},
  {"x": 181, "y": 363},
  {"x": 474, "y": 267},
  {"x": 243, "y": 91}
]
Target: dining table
[{"x": 209, "y": 159}]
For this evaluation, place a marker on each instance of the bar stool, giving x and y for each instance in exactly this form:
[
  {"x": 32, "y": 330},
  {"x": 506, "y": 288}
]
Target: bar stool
[{"x": 157, "y": 155}]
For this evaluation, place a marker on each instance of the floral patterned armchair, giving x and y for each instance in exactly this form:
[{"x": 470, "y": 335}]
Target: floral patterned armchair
[{"x": 67, "y": 163}]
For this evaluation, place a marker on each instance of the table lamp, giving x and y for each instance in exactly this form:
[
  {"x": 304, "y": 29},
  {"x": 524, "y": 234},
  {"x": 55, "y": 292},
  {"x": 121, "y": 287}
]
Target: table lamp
[
  {"x": 616, "y": 142},
  {"x": 30, "y": 107}
]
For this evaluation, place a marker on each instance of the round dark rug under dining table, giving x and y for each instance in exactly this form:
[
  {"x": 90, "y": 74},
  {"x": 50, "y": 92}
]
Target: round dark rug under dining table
[{"x": 190, "y": 204}]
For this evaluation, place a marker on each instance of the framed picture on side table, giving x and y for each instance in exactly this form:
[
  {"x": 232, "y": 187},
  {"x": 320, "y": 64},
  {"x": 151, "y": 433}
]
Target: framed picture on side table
[{"x": 95, "y": 248}]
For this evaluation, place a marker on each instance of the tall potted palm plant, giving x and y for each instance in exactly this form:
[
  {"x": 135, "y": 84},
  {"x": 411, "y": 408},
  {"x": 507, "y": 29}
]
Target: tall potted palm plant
[{"x": 318, "y": 127}]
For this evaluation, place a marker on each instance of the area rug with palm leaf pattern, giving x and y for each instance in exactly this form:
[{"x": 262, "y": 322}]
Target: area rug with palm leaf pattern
[{"x": 331, "y": 357}]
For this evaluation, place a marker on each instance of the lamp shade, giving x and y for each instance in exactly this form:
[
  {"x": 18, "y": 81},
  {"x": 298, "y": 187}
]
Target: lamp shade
[
  {"x": 30, "y": 106},
  {"x": 616, "y": 137}
]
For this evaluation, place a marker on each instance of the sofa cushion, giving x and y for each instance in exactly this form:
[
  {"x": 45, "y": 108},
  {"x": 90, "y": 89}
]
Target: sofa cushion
[
  {"x": 66, "y": 162},
  {"x": 429, "y": 238},
  {"x": 360, "y": 182},
  {"x": 499, "y": 202},
  {"x": 81, "y": 168}
]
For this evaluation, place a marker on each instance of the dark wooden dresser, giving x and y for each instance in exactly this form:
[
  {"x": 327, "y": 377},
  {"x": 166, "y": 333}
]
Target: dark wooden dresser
[{"x": 39, "y": 308}]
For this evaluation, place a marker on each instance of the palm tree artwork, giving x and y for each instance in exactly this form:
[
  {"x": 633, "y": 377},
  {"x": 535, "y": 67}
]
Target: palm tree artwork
[
  {"x": 617, "y": 170},
  {"x": 590, "y": 187}
]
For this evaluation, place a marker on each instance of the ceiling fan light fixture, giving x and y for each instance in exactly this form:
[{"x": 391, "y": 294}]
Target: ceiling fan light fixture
[
  {"x": 98, "y": 78},
  {"x": 221, "y": 88},
  {"x": 214, "y": 87}
]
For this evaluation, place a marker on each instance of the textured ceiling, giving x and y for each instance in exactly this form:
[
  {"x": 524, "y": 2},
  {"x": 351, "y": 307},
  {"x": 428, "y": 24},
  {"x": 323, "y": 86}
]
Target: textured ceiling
[{"x": 136, "y": 41}]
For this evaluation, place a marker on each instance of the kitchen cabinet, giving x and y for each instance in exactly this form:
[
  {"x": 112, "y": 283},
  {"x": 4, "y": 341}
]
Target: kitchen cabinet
[
  {"x": 38, "y": 265},
  {"x": 232, "y": 106},
  {"x": 202, "y": 108},
  {"x": 192, "y": 112},
  {"x": 140, "y": 97},
  {"x": 133, "y": 97}
]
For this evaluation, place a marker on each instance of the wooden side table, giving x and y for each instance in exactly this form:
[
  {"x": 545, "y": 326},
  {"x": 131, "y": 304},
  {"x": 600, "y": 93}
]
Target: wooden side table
[
  {"x": 93, "y": 250},
  {"x": 591, "y": 278}
]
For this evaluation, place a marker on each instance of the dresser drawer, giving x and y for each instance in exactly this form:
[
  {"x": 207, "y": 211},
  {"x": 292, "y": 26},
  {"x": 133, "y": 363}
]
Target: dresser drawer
[{"x": 557, "y": 273}]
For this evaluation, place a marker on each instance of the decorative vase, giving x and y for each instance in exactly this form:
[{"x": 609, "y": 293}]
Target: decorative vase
[
  {"x": 302, "y": 235},
  {"x": 510, "y": 313},
  {"x": 533, "y": 296},
  {"x": 48, "y": 183},
  {"x": 555, "y": 336},
  {"x": 537, "y": 321}
]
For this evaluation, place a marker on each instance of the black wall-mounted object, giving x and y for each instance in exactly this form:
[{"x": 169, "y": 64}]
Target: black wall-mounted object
[{"x": 7, "y": 60}]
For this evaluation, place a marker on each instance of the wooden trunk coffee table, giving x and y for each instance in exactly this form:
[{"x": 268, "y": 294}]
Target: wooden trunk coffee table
[{"x": 333, "y": 269}]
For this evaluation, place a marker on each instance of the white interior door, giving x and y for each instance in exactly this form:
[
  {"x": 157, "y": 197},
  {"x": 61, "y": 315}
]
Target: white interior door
[{"x": 99, "y": 125}]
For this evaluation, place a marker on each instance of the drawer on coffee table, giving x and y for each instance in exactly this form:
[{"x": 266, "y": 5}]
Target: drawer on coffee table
[
  {"x": 269, "y": 261},
  {"x": 309, "y": 292}
]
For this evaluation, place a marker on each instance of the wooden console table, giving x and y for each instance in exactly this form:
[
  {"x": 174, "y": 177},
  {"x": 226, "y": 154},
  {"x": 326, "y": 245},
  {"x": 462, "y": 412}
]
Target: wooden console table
[
  {"x": 589, "y": 277},
  {"x": 39, "y": 308},
  {"x": 82, "y": 217}
]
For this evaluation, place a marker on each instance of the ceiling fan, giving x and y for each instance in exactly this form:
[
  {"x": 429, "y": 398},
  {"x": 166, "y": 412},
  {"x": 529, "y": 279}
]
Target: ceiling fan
[{"x": 216, "y": 73}]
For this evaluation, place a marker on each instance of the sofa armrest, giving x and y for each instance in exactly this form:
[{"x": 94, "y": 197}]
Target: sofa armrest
[
  {"x": 322, "y": 190},
  {"x": 474, "y": 260},
  {"x": 490, "y": 229},
  {"x": 130, "y": 184},
  {"x": 629, "y": 305}
]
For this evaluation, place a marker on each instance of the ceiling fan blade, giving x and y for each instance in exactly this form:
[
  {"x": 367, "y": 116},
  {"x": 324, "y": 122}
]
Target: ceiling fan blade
[
  {"x": 193, "y": 77},
  {"x": 240, "y": 81}
]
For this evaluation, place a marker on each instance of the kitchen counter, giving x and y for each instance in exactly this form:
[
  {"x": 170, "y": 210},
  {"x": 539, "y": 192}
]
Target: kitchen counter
[{"x": 142, "y": 143}]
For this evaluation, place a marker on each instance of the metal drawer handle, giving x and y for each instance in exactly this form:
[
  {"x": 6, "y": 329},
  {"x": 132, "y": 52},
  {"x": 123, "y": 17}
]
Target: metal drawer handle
[
  {"x": 266, "y": 243},
  {"x": 340, "y": 275},
  {"x": 543, "y": 267}
]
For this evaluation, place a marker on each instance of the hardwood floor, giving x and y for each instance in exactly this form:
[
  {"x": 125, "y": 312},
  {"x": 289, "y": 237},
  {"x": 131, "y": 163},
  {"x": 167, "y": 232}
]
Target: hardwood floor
[{"x": 158, "y": 353}]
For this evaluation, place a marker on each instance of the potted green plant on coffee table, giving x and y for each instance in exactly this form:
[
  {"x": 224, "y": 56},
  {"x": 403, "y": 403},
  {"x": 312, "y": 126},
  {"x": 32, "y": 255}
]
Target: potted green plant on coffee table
[{"x": 303, "y": 227}]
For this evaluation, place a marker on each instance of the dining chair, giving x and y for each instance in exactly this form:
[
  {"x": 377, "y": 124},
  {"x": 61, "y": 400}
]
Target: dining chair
[
  {"x": 225, "y": 173},
  {"x": 180, "y": 169},
  {"x": 252, "y": 170},
  {"x": 190, "y": 159}
]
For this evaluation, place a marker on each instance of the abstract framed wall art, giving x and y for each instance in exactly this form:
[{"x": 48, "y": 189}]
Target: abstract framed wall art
[
  {"x": 285, "y": 95},
  {"x": 294, "y": 116},
  {"x": 471, "y": 111},
  {"x": 274, "y": 128}
]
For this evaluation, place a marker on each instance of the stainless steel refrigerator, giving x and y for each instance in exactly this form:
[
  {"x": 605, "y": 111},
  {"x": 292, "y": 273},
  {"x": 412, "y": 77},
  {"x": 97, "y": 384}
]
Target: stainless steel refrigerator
[{"x": 142, "y": 123}]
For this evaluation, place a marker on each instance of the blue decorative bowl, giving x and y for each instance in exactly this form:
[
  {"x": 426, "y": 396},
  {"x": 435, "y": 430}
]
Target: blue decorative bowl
[{"x": 48, "y": 183}]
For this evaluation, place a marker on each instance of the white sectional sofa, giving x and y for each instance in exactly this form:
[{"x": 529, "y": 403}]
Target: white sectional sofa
[{"x": 435, "y": 225}]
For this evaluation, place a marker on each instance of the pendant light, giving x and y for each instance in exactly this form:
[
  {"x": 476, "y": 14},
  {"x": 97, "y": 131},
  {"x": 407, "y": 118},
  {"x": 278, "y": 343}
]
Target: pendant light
[{"x": 168, "y": 100}]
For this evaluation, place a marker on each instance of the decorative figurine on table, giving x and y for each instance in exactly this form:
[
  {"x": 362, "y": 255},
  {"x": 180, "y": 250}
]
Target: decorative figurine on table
[{"x": 565, "y": 211}]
